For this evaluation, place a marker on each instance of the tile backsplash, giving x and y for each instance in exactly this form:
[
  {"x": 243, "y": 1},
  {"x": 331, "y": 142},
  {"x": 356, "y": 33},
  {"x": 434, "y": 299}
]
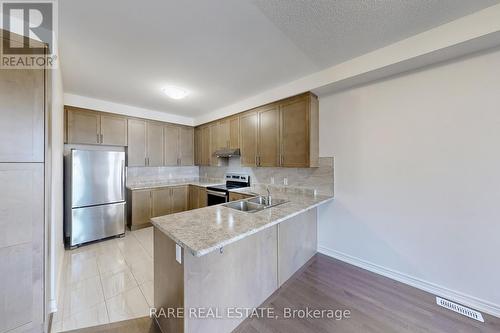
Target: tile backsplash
[
  {"x": 319, "y": 179},
  {"x": 141, "y": 175}
]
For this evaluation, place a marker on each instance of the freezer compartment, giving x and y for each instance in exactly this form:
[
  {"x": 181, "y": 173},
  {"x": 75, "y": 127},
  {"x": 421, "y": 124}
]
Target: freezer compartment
[{"x": 92, "y": 223}]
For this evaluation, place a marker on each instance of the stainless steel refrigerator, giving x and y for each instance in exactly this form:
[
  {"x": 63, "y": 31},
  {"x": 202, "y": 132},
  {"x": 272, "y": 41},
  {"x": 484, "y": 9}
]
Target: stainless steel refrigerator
[{"x": 94, "y": 195}]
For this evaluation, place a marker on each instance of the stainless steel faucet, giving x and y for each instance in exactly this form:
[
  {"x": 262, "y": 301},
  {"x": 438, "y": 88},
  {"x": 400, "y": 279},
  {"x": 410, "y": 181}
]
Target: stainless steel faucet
[{"x": 269, "y": 198}]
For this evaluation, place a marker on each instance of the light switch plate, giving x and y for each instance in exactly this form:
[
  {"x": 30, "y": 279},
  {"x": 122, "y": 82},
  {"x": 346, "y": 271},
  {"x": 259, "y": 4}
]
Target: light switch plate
[{"x": 178, "y": 253}]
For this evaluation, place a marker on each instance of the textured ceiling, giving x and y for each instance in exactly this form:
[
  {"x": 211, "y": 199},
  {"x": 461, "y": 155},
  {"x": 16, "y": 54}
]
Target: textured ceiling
[
  {"x": 225, "y": 50},
  {"x": 333, "y": 31}
]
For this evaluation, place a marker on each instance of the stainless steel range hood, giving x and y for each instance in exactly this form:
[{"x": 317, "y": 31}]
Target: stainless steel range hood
[{"x": 227, "y": 152}]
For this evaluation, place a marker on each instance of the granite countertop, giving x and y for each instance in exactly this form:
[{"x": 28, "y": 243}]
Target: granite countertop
[
  {"x": 201, "y": 231},
  {"x": 157, "y": 184}
]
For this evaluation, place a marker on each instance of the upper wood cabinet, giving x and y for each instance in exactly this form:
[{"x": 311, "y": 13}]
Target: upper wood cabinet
[
  {"x": 249, "y": 123},
  {"x": 259, "y": 137},
  {"x": 91, "y": 127},
  {"x": 171, "y": 135},
  {"x": 113, "y": 130},
  {"x": 299, "y": 131},
  {"x": 268, "y": 148},
  {"x": 223, "y": 137},
  {"x": 197, "y": 146},
  {"x": 136, "y": 142},
  {"x": 205, "y": 145},
  {"x": 179, "y": 145},
  {"x": 186, "y": 146},
  {"x": 150, "y": 143},
  {"x": 145, "y": 146},
  {"x": 234, "y": 132},
  {"x": 213, "y": 136},
  {"x": 154, "y": 143},
  {"x": 214, "y": 140},
  {"x": 280, "y": 134},
  {"x": 83, "y": 126}
]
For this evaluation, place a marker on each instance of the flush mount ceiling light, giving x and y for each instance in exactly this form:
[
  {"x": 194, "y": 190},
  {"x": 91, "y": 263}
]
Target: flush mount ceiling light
[{"x": 175, "y": 92}]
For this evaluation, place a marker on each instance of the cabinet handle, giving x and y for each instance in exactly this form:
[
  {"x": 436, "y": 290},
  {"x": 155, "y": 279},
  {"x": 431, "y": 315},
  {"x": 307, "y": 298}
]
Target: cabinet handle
[
  {"x": 98, "y": 138},
  {"x": 102, "y": 138},
  {"x": 256, "y": 163},
  {"x": 259, "y": 160}
]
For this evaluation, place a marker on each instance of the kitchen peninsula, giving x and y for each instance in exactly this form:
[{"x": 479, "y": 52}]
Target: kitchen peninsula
[{"x": 218, "y": 258}]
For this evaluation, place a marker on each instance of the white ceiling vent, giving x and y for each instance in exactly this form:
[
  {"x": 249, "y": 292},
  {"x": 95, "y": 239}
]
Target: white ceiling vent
[{"x": 460, "y": 309}]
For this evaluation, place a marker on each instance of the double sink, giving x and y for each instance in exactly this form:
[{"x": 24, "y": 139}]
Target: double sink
[{"x": 254, "y": 204}]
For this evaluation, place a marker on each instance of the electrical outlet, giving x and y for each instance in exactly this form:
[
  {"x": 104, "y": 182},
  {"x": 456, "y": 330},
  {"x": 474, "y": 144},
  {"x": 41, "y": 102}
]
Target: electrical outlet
[
  {"x": 272, "y": 180},
  {"x": 285, "y": 181}
]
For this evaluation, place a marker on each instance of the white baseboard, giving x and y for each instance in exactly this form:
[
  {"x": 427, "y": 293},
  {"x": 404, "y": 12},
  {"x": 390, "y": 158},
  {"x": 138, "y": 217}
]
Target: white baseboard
[{"x": 452, "y": 295}]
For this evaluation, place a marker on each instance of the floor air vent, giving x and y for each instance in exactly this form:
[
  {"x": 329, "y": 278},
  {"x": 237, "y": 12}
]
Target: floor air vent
[{"x": 459, "y": 309}]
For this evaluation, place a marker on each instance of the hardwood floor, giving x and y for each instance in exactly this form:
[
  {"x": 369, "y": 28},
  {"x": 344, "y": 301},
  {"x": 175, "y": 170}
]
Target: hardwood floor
[{"x": 376, "y": 303}]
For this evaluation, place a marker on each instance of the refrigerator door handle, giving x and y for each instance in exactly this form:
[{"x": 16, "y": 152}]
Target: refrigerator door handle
[{"x": 123, "y": 179}]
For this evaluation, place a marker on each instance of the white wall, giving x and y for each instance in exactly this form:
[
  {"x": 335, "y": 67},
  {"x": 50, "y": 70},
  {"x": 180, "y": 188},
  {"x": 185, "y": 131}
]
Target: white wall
[{"x": 417, "y": 178}]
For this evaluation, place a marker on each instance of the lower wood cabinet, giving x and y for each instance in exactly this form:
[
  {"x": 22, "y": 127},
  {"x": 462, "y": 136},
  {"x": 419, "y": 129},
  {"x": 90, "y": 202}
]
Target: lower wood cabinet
[
  {"x": 179, "y": 199},
  {"x": 197, "y": 197},
  {"x": 148, "y": 203},
  {"x": 161, "y": 201},
  {"x": 139, "y": 208},
  {"x": 238, "y": 196}
]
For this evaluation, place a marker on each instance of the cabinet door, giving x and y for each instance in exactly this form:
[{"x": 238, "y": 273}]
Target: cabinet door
[
  {"x": 214, "y": 136},
  {"x": 193, "y": 197},
  {"x": 234, "y": 132},
  {"x": 197, "y": 146},
  {"x": 248, "y": 138},
  {"x": 22, "y": 247},
  {"x": 171, "y": 134},
  {"x": 83, "y": 126},
  {"x": 113, "y": 130},
  {"x": 154, "y": 143},
  {"x": 223, "y": 134},
  {"x": 205, "y": 145},
  {"x": 202, "y": 197},
  {"x": 136, "y": 142},
  {"x": 22, "y": 115},
  {"x": 186, "y": 146},
  {"x": 161, "y": 201},
  {"x": 268, "y": 137},
  {"x": 295, "y": 133},
  {"x": 179, "y": 199},
  {"x": 141, "y": 207}
]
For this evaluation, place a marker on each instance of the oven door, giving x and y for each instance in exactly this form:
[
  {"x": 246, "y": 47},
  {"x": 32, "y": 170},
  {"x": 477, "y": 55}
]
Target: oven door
[{"x": 216, "y": 197}]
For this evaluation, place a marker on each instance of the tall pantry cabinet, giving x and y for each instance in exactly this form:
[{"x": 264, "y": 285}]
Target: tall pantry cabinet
[{"x": 22, "y": 199}]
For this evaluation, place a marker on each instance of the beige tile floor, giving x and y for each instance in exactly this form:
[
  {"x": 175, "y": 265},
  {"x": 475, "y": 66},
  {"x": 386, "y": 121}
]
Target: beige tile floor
[{"x": 106, "y": 282}]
